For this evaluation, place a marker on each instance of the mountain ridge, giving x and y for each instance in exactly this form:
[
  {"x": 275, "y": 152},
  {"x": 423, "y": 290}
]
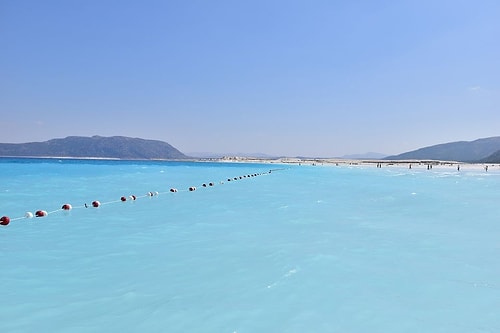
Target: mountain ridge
[
  {"x": 367, "y": 156},
  {"x": 485, "y": 150},
  {"x": 461, "y": 151},
  {"x": 493, "y": 158},
  {"x": 120, "y": 147}
]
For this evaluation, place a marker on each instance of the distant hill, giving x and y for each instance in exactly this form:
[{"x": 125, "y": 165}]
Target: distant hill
[
  {"x": 95, "y": 146},
  {"x": 493, "y": 158},
  {"x": 220, "y": 155},
  {"x": 460, "y": 151},
  {"x": 365, "y": 156}
]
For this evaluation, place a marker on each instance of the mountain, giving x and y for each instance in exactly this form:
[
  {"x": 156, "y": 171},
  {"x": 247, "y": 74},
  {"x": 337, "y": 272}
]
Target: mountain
[
  {"x": 365, "y": 156},
  {"x": 460, "y": 151},
  {"x": 96, "y": 146},
  {"x": 220, "y": 155},
  {"x": 493, "y": 158}
]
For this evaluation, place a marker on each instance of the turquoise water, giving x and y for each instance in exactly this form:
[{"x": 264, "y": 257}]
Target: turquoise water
[{"x": 301, "y": 249}]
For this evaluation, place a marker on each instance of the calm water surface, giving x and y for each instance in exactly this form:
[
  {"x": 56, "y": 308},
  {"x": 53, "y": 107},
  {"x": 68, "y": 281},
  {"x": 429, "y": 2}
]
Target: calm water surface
[{"x": 301, "y": 249}]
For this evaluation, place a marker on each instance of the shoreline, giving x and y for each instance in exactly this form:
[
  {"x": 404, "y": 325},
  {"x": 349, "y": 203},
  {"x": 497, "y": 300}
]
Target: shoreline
[
  {"x": 409, "y": 164},
  {"x": 419, "y": 164}
]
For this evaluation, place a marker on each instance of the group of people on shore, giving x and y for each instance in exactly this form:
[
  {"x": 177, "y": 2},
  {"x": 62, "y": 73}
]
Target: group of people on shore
[{"x": 429, "y": 166}]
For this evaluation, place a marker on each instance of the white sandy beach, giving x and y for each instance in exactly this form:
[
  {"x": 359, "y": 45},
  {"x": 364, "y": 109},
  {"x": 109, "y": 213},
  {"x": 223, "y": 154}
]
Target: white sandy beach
[{"x": 410, "y": 164}]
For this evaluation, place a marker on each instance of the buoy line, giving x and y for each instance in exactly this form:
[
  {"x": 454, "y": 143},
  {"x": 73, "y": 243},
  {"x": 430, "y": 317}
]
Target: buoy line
[{"x": 6, "y": 220}]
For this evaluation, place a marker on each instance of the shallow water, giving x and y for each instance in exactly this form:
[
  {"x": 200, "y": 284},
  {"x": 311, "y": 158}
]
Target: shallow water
[{"x": 301, "y": 249}]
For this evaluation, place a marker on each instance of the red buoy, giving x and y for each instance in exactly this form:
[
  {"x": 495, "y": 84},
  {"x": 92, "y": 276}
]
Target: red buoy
[
  {"x": 4, "y": 220},
  {"x": 173, "y": 190},
  {"x": 66, "y": 207},
  {"x": 96, "y": 204},
  {"x": 40, "y": 213},
  {"x": 123, "y": 199}
]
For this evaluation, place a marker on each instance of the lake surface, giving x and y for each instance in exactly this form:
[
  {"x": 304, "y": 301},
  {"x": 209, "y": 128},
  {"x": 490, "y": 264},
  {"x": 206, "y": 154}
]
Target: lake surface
[{"x": 301, "y": 249}]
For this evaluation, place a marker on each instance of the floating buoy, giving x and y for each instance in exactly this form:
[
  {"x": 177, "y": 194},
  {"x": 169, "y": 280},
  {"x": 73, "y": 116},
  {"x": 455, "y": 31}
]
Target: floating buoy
[
  {"x": 40, "y": 213},
  {"x": 66, "y": 207},
  {"x": 4, "y": 220}
]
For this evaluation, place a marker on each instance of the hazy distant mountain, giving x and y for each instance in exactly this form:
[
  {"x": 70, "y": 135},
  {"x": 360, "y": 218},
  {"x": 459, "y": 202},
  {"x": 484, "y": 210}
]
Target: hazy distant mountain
[
  {"x": 96, "y": 146},
  {"x": 461, "y": 151},
  {"x": 205, "y": 155},
  {"x": 220, "y": 155},
  {"x": 365, "y": 156}
]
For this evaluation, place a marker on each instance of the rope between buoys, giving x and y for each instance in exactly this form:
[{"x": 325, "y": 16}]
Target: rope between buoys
[{"x": 96, "y": 204}]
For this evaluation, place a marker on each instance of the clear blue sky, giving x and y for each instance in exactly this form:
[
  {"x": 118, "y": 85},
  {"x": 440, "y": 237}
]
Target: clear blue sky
[{"x": 309, "y": 78}]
